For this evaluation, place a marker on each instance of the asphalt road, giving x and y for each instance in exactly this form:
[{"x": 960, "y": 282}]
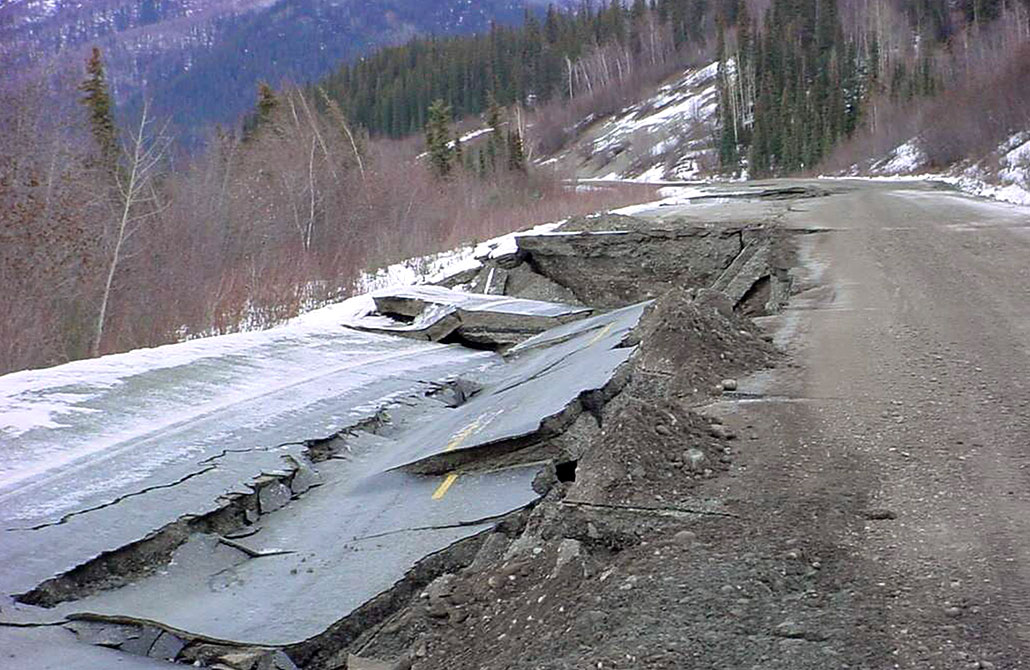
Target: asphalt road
[
  {"x": 900, "y": 442},
  {"x": 143, "y": 447},
  {"x": 315, "y": 554}
]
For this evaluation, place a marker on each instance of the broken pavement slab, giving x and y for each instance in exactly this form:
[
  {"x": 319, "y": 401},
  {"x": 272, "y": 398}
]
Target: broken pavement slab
[
  {"x": 607, "y": 269},
  {"x": 545, "y": 377},
  {"x": 323, "y": 539},
  {"x": 128, "y": 485},
  {"x": 435, "y": 313},
  {"x": 349, "y": 540}
]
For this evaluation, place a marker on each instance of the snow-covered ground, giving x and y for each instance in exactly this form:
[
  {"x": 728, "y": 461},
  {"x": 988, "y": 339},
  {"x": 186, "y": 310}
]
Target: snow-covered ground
[
  {"x": 666, "y": 137},
  {"x": 1004, "y": 175},
  {"x": 184, "y": 382}
]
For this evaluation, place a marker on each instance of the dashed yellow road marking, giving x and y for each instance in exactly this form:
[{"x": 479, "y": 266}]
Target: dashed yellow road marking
[
  {"x": 604, "y": 331},
  {"x": 462, "y": 435},
  {"x": 441, "y": 490},
  {"x": 455, "y": 442}
]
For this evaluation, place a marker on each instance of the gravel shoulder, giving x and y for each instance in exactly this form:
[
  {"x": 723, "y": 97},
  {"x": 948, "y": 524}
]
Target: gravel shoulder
[{"x": 866, "y": 502}]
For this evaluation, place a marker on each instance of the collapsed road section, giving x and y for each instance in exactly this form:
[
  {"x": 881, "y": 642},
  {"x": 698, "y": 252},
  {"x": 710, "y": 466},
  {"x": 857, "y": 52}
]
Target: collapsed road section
[
  {"x": 279, "y": 501},
  {"x": 268, "y": 520}
]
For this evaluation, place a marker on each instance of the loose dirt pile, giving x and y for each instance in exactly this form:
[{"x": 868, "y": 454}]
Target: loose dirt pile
[{"x": 629, "y": 561}]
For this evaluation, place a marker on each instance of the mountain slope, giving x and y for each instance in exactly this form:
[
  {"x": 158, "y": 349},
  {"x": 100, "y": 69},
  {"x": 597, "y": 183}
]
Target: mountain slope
[
  {"x": 200, "y": 60},
  {"x": 668, "y": 135}
]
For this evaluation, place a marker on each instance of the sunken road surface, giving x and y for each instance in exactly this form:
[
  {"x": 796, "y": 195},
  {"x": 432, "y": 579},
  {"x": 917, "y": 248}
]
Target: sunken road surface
[{"x": 780, "y": 425}]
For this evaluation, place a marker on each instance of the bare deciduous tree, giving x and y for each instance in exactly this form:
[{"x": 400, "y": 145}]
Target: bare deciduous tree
[{"x": 136, "y": 201}]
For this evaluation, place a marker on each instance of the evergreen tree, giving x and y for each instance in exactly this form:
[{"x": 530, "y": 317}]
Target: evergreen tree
[
  {"x": 494, "y": 150},
  {"x": 438, "y": 139},
  {"x": 97, "y": 99},
  {"x": 264, "y": 111},
  {"x": 516, "y": 152}
]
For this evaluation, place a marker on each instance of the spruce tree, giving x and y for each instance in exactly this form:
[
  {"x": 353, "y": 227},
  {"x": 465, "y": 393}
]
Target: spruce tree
[
  {"x": 494, "y": 120},
  {"x": 438, "y": 139},
  {"x": 516, "y": 152},
  {"x": 97, "y": 99}
]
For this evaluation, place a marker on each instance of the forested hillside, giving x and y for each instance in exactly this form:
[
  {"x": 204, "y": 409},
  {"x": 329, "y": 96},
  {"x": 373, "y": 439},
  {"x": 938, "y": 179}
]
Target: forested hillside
[
  {"x": 812, "y": 76},
  {"x": 564, "y": 55},
  {"x": 111, "y": 240},
  {"x": 199, "y": 61}
]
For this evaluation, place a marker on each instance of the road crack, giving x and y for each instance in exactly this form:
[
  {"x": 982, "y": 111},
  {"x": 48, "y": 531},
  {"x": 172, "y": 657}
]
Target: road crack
[{"x": 67, "y": 517}]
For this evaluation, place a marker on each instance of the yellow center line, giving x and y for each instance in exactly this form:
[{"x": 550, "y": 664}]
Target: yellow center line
[
  {"x": 441, "y": 490},
  {"x": 461, "y": 436},
  {"x": 455, "y": 442},
  {"x": 604, "y": 331}
]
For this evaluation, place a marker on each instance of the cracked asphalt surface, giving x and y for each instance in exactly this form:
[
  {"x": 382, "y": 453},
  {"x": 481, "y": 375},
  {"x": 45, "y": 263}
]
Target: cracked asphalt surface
[
  {"x": 865, "y": 504},
  {"x": 879, "y": 484},
  {"x": 351, "y": 526}
]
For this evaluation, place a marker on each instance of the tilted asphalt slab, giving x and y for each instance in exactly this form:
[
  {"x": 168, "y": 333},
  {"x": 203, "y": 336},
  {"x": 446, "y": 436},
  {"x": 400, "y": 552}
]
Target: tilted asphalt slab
[
  {"x": 323, "y": 554},
  {"x": 219, "y": 424},
  {"x": 434, "y": 312}
]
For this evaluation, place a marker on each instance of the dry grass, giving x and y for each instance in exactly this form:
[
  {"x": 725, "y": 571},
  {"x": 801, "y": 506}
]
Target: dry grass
[{"x": 249, "y": 234}]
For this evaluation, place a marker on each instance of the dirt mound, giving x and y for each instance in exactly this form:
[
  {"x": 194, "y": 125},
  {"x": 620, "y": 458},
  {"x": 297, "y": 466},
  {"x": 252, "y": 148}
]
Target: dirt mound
[
  {"x": 692, "y": 340},
  {"x": 591, "y": 579},
  {"x": 651, "y": 454}
]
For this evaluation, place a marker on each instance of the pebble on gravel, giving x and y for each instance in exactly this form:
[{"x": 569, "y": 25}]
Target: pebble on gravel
[{"x": 879, "y": 514}]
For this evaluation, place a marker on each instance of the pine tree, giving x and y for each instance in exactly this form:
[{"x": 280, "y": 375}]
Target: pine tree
[
  {"x": 493, "y": 143},
  {"x": 516, "y": 152},
  {"x": 97, "y": 99},
  {"x": 266, "y": 104},
  {"x": 438, "y": 139}
]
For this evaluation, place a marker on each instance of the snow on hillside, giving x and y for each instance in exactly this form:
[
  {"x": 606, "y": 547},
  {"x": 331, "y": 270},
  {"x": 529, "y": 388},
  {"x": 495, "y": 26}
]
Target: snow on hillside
[
  {"x": 665, "y": 137},
  {"x": 1003, "y": 175}
]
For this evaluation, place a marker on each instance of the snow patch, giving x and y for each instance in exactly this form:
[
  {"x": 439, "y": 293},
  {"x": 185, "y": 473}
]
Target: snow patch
[{"x": 904, "y": 159}]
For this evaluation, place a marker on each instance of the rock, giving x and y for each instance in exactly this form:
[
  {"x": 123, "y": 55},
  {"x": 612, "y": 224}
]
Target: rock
[
  {"x": 277, "y": 660},
  {"x": 879, "y": 514},
  {"x": 789, "y": 629},
  {"x": 729, "y": 384},
  {"x": 273, "y": 496},
  {"x": 568, "y": 550},
  {"x": 438, "y": 593},
  {"x": 721, "y": 432},
  {"x": 685, "y": 537},
  {"x": 166, "y": 647},
  {"x": 694, "y": 458},
  {"x": 662, "y": 429},
  {"x": 439, "y": 609},
  {"x": 355, "y": 662},
  {"x": 953, "y": 612}
]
